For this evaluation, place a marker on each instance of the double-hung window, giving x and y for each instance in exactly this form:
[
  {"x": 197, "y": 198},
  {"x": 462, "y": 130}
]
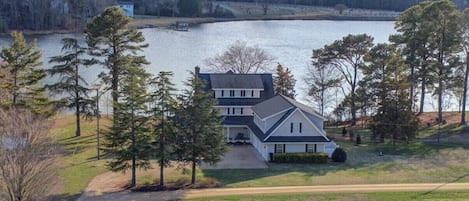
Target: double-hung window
[{"x": 279, "y": 148}]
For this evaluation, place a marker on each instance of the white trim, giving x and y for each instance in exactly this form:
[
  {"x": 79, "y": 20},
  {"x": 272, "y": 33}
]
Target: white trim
[
  {"x": 272, "y": 115},
  {"x": 317, "y": 115},
  {"x": 314, "y": 126},
  {"x": 279, "y": 125},
  {"x": 230, "y": 106},
  {"x": 287, "y": 143},
  {"x": 307, "y": 119},
  {"x": 237, "y": 89}
]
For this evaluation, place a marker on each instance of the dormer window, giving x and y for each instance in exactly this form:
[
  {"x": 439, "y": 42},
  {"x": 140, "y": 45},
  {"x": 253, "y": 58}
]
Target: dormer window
[
  {"x": 232, "y": 93},
  {"x": 252, "y": 93},
  {"x": 243, "y": 93},
  {"x": 222, "y": 93}
]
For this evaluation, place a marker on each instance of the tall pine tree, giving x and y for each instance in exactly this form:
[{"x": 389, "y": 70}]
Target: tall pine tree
[
  {"x": 163, "y": 99},
  {"x": 284, "y": 82},
  {"x": 199, "y": 136},
  {"x": 109, "y": 37},
  {"x": 70, "y": 81},
  {"x": 128, "y": 140},
  {"x": 23, "y": 63}
]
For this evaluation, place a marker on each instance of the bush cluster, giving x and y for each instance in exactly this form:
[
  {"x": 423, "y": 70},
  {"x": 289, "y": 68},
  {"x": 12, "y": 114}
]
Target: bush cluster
[
  {"x": 300, "y": 158},
  {"x": 339, "y": 155}
]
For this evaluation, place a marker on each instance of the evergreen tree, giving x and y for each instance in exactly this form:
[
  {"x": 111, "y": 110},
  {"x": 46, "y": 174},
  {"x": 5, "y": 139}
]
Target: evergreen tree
[
  {"x": 199, "y": 136},
  {"x": 347, "y": 56},
  {"x": 412, "y": 42},
  {"x": 442, "y": 17},
  {"x": 23, "y": 62},
  {"x": 465, "y": 48},
  {"x": 108, "y": 37},
  {"x": 70, "y": 81},
  {"x": 284, "y": 82},
  {"x": 320, "y": 79},
  {"x": 128, "y": 140},
  {"x": 164, "y": 106},
  {"x": 386, "y": 75}
]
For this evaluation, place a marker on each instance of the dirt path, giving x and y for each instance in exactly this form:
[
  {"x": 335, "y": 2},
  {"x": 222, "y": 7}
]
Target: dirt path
[{"x": 173, "y": 195}]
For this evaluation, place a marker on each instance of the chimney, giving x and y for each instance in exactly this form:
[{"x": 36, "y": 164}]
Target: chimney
[{"x": 197, "y": 70}]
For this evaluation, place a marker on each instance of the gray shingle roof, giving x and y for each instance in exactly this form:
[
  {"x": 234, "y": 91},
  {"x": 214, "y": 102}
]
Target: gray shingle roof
[
  {"x": 271, "y": 106},
  {"x": 280, "y": 103},
  {"x": 266, "y": 93},
  {"x": 236, "y": 81}
]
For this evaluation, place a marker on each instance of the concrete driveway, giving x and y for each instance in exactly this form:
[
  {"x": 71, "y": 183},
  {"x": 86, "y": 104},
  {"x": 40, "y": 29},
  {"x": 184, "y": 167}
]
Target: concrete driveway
[{"x": 239, "y": 157}]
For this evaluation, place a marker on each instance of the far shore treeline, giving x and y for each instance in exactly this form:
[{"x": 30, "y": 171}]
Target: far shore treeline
[{"x": 72, "y": 15}]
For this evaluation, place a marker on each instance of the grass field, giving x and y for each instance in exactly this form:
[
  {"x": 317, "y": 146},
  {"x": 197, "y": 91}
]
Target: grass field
[
  {"x": 416, "y": 162},
  {"x": 428, "y": 196},
  {"x": 79, "y": 163}
]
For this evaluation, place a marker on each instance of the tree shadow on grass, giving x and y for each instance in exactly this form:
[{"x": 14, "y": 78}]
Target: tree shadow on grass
[{"x": 63, "y": 197}]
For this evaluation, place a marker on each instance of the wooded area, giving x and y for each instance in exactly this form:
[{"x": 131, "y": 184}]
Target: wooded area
[
  {"x": 49, "y": 14},
  {"x": 394, "y": 5}
]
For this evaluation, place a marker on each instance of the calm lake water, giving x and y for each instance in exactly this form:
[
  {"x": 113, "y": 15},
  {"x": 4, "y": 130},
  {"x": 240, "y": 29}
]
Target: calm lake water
[{"x": 290, "y": 42}]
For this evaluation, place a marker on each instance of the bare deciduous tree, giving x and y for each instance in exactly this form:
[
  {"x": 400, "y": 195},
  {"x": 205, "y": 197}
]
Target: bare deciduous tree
[
  {"x": 27, "y": 156},
  {"x": 241, "y": 58}
]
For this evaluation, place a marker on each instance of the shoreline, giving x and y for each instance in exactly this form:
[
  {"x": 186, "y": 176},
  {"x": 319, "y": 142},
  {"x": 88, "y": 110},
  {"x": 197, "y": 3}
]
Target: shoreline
[{"x": 165, "y": 22}]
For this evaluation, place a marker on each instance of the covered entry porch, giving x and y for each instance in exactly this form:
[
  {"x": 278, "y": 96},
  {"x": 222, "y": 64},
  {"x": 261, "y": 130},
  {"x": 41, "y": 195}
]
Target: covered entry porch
[{"x": 237, "y": 134}]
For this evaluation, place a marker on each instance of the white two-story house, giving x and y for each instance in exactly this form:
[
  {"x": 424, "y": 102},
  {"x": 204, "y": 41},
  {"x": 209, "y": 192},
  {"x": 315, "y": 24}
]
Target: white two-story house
[{"x": 271, "y": 123}]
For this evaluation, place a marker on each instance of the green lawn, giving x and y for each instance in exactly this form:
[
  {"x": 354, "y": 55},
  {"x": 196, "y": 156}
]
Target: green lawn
[
  {"x": 404, "y": 196},
  {"x": 415, "y": 162},
  {"x": 79, "y": 163}
]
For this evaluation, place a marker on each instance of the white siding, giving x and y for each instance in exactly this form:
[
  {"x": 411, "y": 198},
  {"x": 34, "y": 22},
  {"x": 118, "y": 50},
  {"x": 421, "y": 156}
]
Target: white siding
[
  {"x": 247, "y": 111},
  {"x": 257, "y": 94},
  {"x": 259, "y": 123},
  {"x": 260, "y": 147},
  {"x": 218, "y": 93},
  {"x": 316, "y": 120},
  {"x": 237, "y": 93},
  {"x": 296, "y": 118},
  {"x": 271, "y": 121},
  {"x": 294, "y": 148}
]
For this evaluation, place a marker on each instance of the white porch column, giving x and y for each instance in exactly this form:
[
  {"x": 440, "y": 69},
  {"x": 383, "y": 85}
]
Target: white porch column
[{"x": 227, "y": 134}]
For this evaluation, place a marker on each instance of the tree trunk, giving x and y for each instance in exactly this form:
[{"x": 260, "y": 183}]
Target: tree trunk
[
  {"x": 422, "y": 93},
  {"x": 193, "y": 172},
  {"x": 353, "y": 110},
  {"x": 134, "y": 176},
  {"x": 77, "y": 103},
  {"x": 466, "y": 74},
  {"x": 162, "y": 159},
  {"x": 194, "y": 157}
]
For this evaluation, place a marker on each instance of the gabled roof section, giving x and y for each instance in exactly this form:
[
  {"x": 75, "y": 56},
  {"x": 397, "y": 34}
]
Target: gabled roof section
[
  {"x": 281, "y": 103},
  {"x": 266, "y": 82},
  {"x": 236, "y": 81},
  {"x": 271, "y": 107}
]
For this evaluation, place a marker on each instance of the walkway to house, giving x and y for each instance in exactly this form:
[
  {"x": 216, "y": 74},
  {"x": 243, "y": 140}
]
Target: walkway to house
[{"x": 239, "y": 157}]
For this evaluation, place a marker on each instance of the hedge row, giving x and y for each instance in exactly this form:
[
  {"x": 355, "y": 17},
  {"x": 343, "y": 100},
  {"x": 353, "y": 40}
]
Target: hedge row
[{"x": 300, "y": 158}]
